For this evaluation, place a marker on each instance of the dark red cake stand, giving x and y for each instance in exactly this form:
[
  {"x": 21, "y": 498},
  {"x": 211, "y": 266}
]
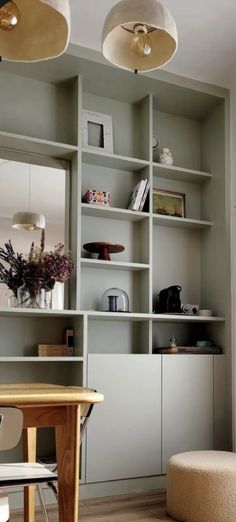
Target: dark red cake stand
[{"x": 103, "y": 249}]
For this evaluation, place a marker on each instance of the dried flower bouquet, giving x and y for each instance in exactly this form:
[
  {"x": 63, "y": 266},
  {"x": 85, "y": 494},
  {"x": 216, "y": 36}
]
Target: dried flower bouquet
[{"x": 39, "y": 270}]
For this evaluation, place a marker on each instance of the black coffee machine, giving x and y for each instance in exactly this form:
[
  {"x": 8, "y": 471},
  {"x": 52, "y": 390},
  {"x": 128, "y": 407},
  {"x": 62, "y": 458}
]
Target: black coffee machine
[{"x": 169, "y": 301}]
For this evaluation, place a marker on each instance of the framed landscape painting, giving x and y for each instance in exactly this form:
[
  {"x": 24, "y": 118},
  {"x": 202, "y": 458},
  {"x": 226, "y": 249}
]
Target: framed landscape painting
[{"x": 168, "y": 203}]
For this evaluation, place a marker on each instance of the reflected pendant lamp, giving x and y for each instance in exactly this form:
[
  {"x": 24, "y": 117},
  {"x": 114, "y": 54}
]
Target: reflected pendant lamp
[
  {"x": 139, "y": 35},
  {"x": 28, "y": 221},
  {"x": 33, "y": 30}
]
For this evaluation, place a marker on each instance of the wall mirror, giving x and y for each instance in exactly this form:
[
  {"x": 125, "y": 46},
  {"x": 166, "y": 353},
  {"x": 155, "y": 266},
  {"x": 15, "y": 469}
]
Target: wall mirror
[{"x": 34, "y": 188}]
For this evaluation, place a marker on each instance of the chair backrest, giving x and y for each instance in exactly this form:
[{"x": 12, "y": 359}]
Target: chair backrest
[{"x": 11, "y": 425}]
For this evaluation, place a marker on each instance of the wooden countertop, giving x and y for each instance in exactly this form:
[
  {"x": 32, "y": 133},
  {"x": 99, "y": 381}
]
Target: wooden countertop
[{"x": 43, "y": 394}]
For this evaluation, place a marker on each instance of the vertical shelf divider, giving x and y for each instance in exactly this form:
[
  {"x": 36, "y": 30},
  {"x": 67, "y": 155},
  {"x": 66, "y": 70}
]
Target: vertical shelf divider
[
  {"x": 75, "y": 208},
  {"x": 150, "y": 205}
]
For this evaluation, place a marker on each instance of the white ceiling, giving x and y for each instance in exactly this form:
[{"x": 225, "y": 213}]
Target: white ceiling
[{"x": 207, "y": 35}]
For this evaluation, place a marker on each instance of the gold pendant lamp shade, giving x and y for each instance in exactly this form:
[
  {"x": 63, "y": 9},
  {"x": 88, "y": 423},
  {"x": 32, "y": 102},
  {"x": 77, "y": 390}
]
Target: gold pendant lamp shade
[
  {"x": 139, "y": 35},
  {"x": 34, "y": 30}
]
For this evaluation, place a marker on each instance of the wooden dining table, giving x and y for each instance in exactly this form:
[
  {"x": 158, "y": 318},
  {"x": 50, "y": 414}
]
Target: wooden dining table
[{"x": 61, "y": 407}]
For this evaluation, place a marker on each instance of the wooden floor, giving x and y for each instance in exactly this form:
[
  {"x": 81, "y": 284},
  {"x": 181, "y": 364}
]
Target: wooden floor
[{"x": 126, "y": 508}]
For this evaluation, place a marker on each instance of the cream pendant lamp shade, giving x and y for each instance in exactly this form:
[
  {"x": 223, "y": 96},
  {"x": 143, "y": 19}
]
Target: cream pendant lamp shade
[
  {"x": 139, "y": 35},
  {"x": 28, "y": 221},
  {"x": 34, "y": 30}
]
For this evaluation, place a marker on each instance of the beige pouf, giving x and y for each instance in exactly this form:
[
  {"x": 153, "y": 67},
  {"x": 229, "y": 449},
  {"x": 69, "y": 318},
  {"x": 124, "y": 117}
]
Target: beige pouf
[{"x": 201, "y": 486}]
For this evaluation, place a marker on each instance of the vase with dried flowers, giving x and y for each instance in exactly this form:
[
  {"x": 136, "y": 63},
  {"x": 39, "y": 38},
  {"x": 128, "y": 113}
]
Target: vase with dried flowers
[{"x": 32, "y": 278}]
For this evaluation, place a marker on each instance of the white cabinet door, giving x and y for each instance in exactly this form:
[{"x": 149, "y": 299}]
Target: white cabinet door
[
  {"x": 187, "y": 407},
  {"x": 124, "y": 434}
]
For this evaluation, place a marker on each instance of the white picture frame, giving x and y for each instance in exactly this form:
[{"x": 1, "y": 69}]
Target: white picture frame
[{"x": 97, "y": 133}]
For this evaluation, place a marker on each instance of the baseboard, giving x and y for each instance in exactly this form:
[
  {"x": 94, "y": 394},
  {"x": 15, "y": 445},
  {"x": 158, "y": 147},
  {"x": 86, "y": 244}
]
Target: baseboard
[{"x": 121, "y": 487}]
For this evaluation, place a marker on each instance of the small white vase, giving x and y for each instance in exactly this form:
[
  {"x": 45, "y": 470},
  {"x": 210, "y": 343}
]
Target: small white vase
[{"x": 165, "y": 156}]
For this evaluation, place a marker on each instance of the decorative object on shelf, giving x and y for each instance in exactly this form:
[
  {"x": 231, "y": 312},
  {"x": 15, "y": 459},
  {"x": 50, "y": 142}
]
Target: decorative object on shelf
[
  {"x": 103, "y": 249},
  {"x": 205, "y": 313},
  {"x": 155, "y": 143},
  {"x": 139, "y": 35},
  {"x": 39, "y": 30},
  {"x": 54, "y": 350},
  {"x": 155, "y": 147},
  {"x": 97, "y": 131},
  {"x": 190, "y": 309},
  {"x": 31, "y": 278},
  {"x": 68, "y": 337},
  {"x": 139, "y": 195},
  {"x": 115, "y": 300},
  {"x": 168, "y": 203},
  {"x": 28, "y": 220},
  {"x": 173, "y": 345},
  {"x": 169, "y": 301},
  {"x": 165, "y": 156},
  {"x": 97, "y": 197},
  {"x": 203, "y": 344}
]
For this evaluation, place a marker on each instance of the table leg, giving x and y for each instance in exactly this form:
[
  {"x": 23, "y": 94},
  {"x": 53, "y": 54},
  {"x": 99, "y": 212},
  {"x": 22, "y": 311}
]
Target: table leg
[
  {"x": 68, "y": 449},
  {"x": 29, "y": 451}
]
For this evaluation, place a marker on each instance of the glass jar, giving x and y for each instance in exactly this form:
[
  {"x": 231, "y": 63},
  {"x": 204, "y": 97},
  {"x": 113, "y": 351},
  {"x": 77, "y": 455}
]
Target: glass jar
[
  {"x": 12, "y": 301},
  {"x": 27, "y": 297},
  {"x": 115, "y": 300}
]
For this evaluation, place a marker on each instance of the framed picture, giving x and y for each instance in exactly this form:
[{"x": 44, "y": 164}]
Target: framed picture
[
  {"x": 97, "y": 131},
  {"x": 168, "y": 203}
]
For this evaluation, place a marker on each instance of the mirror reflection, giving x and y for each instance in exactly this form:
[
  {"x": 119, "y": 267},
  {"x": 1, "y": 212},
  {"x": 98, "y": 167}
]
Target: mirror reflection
[{"x": 36, "y": 189}]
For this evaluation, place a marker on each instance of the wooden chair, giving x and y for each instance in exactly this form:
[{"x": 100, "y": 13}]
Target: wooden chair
[
  {"x": 21, "y": 473},
  {"x": 52, "y": 484}
]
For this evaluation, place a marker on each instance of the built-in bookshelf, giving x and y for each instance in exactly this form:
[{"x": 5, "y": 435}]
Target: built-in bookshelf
[{"x": 41, "y": 113}]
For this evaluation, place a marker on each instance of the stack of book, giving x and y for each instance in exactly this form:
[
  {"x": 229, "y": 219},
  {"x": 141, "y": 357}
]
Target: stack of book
[
  {"x": 54, "y": 350},
  {"x": 139, "y": 195}
]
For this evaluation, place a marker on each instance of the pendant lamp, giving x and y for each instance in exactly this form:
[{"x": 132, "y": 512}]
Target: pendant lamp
[
  {"x": 139, "y": 35},
  {"x": 27, "y": 220},
  {"x": 33, "y": 30}
]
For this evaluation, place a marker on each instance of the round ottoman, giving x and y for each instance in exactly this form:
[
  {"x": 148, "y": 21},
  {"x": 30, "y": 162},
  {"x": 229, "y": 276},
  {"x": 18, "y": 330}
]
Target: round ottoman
[{"x": 201, "y": 486}]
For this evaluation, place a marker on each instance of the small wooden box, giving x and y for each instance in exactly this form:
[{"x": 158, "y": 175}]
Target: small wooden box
[{"x": 54, "y": 350}]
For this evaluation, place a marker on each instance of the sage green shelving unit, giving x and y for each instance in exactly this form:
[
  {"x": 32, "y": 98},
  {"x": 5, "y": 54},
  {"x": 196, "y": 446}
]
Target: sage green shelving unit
[{"x": 40, "y": 116}]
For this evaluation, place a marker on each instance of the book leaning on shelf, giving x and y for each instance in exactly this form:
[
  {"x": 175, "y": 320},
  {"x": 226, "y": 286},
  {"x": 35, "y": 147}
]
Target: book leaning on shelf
[{"x": 139, "y": 195}]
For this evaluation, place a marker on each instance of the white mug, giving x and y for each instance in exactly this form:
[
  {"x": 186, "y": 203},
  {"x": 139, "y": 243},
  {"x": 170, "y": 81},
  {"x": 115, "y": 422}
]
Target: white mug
[{"x": 205, "y": 313}]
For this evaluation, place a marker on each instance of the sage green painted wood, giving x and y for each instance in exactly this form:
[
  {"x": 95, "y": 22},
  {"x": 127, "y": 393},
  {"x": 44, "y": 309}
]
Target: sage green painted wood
[
  {"x": 129, "y": 121},
  {"x": 38, "y": 109},
  {"x": 174, "y": 222},
  {"x": 181, "y": 135},
  {"x": 124, "y": 436},
  {"x": 214, "y": 242},
  {"x": 187, "y": 404},
  {"x": 120, "y": 183},
  {"x": 112, "y": 213},
  {"x": 122, "y": 336},
  {"x": 160, "y": 318},
  {"x": 180, "y": 173},
  {"x": 11, "y": 143},
  {"x": 113, "y": 161}
]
